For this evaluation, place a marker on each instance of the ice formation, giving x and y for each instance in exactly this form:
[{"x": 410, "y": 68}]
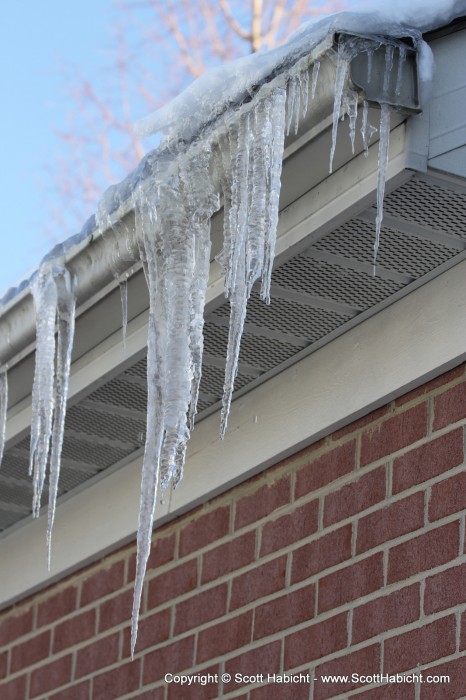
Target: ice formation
[
  {"x": 227, "y": 148},
  {"x": 3, "y": 408},
  {"x": 54, "y": 302}
]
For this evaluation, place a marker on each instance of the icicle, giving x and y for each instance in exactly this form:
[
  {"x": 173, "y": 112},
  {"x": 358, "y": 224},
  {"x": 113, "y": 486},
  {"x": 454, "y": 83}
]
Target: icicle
[
  {"x": 403, "y": 50},
  {"x": 367, "y": 130},
  {"x": 353, "y": 115},
  {"x": 291, "y": 103},
  {"x": 124, "y": 249},
  {"x": 3, "y": 408},
  {"x": 149, "y": 234},
  {"x": 315, "y": 75},
  {"x": 253, "y": 219},
  {"x": 124, "y": 311},
  {"x": 389, "y": 51},
  {"x": 277, "y": 117},
  {"x": 44, "y": 292},
  {"x": 175, "y": 234},
  {"x": 66, "y": 306},
  {"x": 384, "y": 140},
  {"x": 304, "y": 92},
  {"x": 340, "y": 79}
]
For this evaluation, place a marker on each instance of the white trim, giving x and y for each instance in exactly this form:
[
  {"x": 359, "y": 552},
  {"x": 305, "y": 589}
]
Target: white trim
[{"x": 402, "y": 346}]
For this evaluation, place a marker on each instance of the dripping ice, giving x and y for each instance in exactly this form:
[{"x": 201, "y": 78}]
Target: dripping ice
[{"x": 54, "y": 303}]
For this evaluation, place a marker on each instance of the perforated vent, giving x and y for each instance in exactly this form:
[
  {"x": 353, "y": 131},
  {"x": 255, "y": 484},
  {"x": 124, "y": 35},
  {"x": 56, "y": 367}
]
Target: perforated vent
[
  {"x": 314, "y": 294},
  {"x": 427, "y": 204}
]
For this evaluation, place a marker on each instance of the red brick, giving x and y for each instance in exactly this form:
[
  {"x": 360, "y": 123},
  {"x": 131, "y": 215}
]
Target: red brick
[
  {"x": 173, "y": 583},
  {"x": 280, "y": 691},
  {"x": 229, "y": 557},
  {"x": 172, "y": 658},
  {"x": 115, "y": 610},
  {"x": 153, "y": 629},
  {"x": 361, "y": 422},
  {"x": 14, "y": 690},
  {"x": 284, "y": 612},
  {"x": 387, "y": 612},
  {"x": 117, "y": 682},
  {"x": 316, "y": 641},
  {"x": 445, "y": 590},
  {"x": 15, "y": 626},
  {"x": 197, "y": 691},
  {"x": 327, "y": 468},
  {"x": 260, "y": 581},
  {"x": 463, "y": 632},
  {"x": 57, "y": 606},
  {"x": 456, "y": 688},
  {"x": 81, "y": 691},
  {"x": 355, "y": 497},
  {"x": 155, "y": 694},
  {"x": 390, "y": 522},
  {"x": 290, "y": 528},
  {"x": 265, "y": 659},
  {"x": 427, "y": 461},
  {"x": 407, "y": 651},
  {"x": 224, "y": 637},
  {"x": 203, "y": 607},
  {"x": 321, "y": 554},
  {"x": 430, "y": 386},
  {"x": 262, "y": 502},
  {"x": 97, "y": 655},
  {"x": 162, "y": 552},
  {"x": 448, "y": 497},
  {"x": 450, "y": 406},
  {"x": 102, "y": 583},
  {"x": 30, "y": 652},
  {"x": 394, "y": 433},
  {"x": 74, "y": 630},
  {"x": 363, "y": 662},
  {"x": 350, "y": 583},
  {"x": 204, "y": 530},
  {"x": 51, "y": 676},
  {"x": 394, "y": 691},
  {"x": 3, "y": 664},
  {"x": 424, "y": 552}
]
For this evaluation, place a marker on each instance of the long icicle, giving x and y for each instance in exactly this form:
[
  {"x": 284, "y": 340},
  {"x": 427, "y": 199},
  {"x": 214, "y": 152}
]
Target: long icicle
[
  {"x": 384, "y": 143},
  {"x": 44, "y": 293},
  {"x": 3, "y": 409},
  {"x": 66, "y": 307}
]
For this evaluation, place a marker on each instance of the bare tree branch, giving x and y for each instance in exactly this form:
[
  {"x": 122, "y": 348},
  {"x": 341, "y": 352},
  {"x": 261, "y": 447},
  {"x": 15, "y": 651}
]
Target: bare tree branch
[
  {"x": 235, "y": 26},
  {"x": 159, "y": 47}
]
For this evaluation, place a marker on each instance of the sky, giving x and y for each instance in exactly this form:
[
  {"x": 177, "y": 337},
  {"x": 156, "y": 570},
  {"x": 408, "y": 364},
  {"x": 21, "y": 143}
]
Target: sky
[{"x": 39, "y": 40}]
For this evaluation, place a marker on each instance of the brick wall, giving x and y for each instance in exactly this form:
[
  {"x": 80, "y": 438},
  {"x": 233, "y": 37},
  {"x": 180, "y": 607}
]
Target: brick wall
[{"x": 347, "y": 558}]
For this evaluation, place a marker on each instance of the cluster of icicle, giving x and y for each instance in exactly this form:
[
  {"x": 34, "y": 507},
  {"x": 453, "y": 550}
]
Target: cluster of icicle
[
  {"x": 54, "y": 302},
  {"x": 240, "y": 161}
]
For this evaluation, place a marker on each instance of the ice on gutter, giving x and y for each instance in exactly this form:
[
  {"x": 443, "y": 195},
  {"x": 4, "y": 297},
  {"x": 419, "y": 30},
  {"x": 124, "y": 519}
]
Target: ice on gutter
[{"x": 228, "y": 149}]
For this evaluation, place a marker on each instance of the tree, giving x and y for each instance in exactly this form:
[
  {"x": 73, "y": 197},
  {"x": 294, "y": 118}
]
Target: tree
[{"x": 159, "y": 47}]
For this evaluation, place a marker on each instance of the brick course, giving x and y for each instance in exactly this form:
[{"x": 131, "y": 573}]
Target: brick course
[{"x": 349, "y": 557}]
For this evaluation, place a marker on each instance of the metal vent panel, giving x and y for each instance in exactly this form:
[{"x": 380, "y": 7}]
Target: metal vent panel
[
  {"x": 121, "y": 393},
  {"x": 424, "y": 203},
  {"x": 316, "y": 294},
  {"x": 407, "y": 254},
  {"x": 334, "y": 282}
]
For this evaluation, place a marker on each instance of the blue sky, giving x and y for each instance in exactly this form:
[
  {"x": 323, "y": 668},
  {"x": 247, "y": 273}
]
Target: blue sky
[{"x": 40, "y": 38}]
